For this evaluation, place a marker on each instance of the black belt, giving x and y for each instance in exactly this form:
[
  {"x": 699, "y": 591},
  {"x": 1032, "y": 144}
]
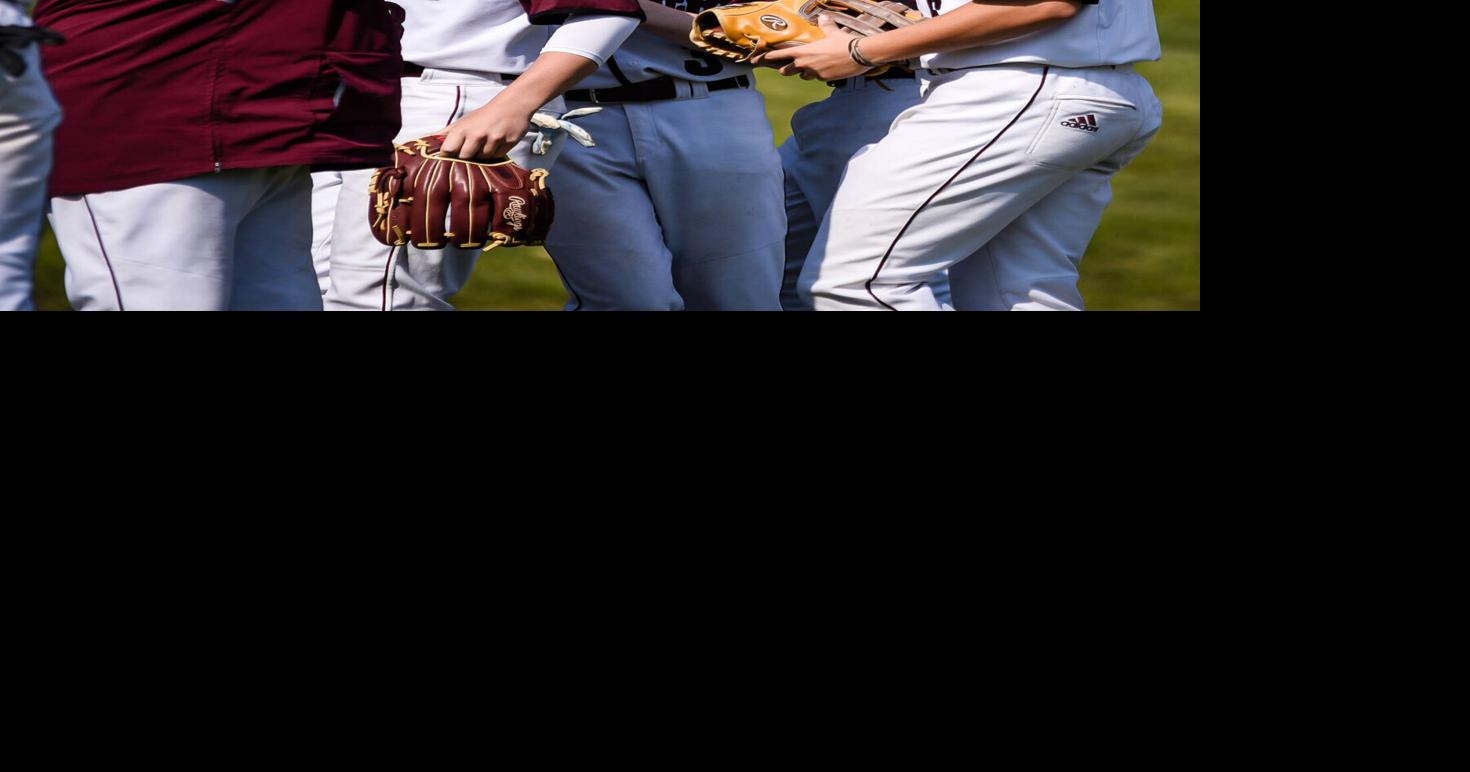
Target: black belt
[
  {"x": 648, "y": 91},
  {"x": 411, "y": 70},
  {"x": 892, "y": 73}
]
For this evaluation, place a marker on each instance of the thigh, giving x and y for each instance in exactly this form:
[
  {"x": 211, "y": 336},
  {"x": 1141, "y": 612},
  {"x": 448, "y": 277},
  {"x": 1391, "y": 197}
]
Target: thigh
[
  {"x": 273, "y": 264},
  {"x": 953, "y": 172},
  {"x": 326, "y": 189},
  {"x": 1034, "y": 263},
  {"x": 360, "y": 270},
  {"x": 826, "y": 136},
  {"x": 367, "y": 275},
  {"x": 719, "y": 193},
  {"x": 607, "y": 240},
  {"x": 832, "y": 131},
  {"x": 164, "y": 247},
  {"x": 801, "y": 226}
]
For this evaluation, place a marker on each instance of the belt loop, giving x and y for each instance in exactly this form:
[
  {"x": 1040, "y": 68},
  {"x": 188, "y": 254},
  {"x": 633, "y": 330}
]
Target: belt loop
[{"x": 698, "y": 89}]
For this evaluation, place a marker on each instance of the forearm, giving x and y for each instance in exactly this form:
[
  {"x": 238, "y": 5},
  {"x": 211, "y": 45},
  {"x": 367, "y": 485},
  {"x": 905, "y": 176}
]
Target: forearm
[
  {"x": 548, "y": 78},
  {"x": 574, "y": 52},
  {"x": 668, "y": 23},
  {"x": 977, "y": 24}
]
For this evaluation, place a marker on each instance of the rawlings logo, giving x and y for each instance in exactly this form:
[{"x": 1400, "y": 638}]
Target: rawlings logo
[
  {"x": 515, "y": 213},
  {"x": 774, "y": 22}
]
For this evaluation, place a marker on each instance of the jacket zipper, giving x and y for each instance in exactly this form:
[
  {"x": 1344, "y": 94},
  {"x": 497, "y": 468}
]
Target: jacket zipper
[{"x": 219, "y": 65}]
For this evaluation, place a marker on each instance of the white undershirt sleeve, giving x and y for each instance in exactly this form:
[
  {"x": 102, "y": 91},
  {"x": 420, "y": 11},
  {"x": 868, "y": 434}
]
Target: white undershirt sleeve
[{"x": 593, "y": 37}]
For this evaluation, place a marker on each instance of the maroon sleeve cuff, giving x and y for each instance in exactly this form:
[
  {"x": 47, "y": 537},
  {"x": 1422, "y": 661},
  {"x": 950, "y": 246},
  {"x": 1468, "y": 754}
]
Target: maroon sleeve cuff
[{"x": 557, "y": 11}]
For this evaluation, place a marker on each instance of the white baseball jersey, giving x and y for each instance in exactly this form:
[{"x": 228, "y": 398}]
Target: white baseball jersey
[
  {"x": 471, "y": 35},
  {"x": 1103, "y": 33},
  {"x": 645, "y": 56}
]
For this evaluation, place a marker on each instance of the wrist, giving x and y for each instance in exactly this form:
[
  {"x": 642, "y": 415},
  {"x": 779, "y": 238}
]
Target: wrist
[
  {"x": 516, "y": 103},
  {"x": 854, "y": 51}
]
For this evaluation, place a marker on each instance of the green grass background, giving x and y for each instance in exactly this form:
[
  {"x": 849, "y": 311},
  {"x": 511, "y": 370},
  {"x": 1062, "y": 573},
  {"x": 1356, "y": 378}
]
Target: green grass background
[{"x": 1146, "y": 254}]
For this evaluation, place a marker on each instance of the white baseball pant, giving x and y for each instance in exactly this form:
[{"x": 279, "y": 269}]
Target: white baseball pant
[
  {"x": 824, "y": 135},
  {"x": 326, "y": 188},
  {"x": 237, "y": 241},
  {"x": 999, "y": 176}
]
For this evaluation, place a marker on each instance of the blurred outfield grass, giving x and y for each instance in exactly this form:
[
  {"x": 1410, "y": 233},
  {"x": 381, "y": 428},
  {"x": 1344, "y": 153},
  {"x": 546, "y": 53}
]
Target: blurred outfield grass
[{"x": 1146, "y": 255}]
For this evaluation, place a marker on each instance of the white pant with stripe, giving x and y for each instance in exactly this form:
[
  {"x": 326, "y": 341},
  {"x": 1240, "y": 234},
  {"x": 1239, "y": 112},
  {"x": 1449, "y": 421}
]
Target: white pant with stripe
[
  {"x": 1000, "y": 177},
  {"x": 362, "y": 274},
  {"x": 824, "y": 136},
  {"x": 236, "y": 241}
]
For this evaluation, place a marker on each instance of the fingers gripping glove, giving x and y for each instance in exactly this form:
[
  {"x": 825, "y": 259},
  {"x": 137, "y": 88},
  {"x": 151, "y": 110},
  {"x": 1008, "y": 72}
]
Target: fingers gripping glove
[
  {"x": 486, "y": 205},
  {"x": 743, "y": 30},
  {"x": 552, "y": 127}
]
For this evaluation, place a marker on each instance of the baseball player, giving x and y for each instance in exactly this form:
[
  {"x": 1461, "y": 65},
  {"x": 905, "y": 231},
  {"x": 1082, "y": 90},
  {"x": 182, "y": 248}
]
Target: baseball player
[
  {"x": 680, "y": 204},
  {"x": 1002, "y": 173},
  {"x": 182, "y": 170},
  {"x": 28, "y": 114},
  {"x": 477, "y": 70}
]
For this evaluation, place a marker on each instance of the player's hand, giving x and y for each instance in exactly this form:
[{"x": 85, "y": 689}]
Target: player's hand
[
  {"x": 759, "y": 60},
  {"x": 826, "y": 59},
  {"x": 487, "y": 133}
]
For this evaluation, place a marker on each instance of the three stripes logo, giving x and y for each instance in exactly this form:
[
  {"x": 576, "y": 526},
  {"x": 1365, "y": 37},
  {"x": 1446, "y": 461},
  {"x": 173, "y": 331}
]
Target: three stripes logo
[{"x": 1082, "y": 122}]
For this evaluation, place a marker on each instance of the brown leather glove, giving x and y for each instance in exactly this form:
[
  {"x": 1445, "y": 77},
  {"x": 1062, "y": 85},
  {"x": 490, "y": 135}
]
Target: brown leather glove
[{"x": 486, "y": 205}]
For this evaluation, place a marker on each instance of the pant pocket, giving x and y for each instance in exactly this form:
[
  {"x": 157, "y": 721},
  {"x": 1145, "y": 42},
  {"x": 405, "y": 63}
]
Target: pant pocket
[{"x": 1081, "y": 130}]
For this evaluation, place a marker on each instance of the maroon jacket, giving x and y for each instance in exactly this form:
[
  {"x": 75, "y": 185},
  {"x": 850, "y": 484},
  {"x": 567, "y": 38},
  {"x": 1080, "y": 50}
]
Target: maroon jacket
[{"x": 161, "y": 90}]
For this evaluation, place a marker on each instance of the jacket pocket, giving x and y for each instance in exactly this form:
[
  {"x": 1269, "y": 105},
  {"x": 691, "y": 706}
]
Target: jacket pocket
[
  {"x": 326, "y": 93},
  {"x": 357, "y": 91}
]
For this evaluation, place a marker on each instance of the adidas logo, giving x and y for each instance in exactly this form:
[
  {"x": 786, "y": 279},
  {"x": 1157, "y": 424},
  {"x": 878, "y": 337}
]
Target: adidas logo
[{"x": 1083, "y": 122}]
